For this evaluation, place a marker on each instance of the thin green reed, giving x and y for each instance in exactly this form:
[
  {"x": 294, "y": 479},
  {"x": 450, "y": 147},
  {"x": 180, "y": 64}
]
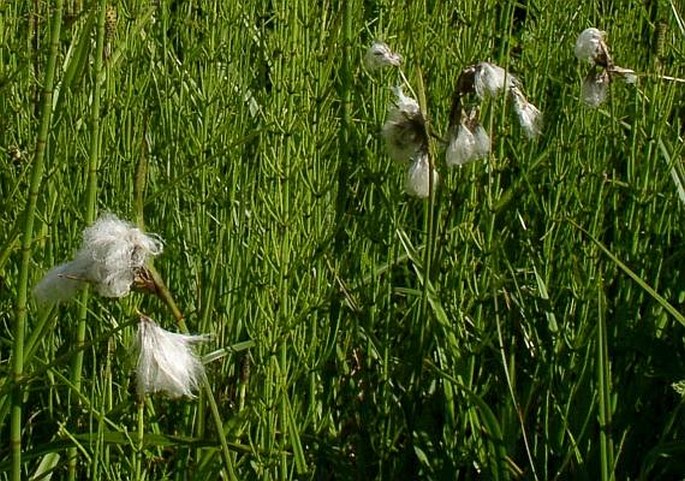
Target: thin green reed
[
  {"x": 345, "y": 133},
  {"x": 90, "y": 205},
  {"x": 604, "y": 388},
  {"x": 27, "y": 241}
]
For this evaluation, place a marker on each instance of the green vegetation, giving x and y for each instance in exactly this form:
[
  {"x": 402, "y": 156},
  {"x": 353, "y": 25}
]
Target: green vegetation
[{"x": 524, "y": 322}]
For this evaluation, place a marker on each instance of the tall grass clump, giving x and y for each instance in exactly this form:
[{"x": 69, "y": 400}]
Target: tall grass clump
[{"x": 341, "y": 240}]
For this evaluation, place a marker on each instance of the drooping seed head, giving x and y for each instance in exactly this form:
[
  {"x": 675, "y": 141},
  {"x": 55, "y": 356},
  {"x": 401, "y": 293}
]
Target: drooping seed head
[
  {"x": 111, "y": 256},
  {"x": 461, "y": 147},
  {"x": 528, "y": 114},
  {"x": 595, "y": 87},
  {"x": 405, "y": 129},
  {"x": 166, "y": 361},
  {"x": 491, "y": 79},
  {"x": 591, "y": 47},
  {"x": 468, "y": 141},
  {"x": 482, "y": 141},
  {"x": 418, "y": 181},
  {"x": 379, "y": 55},
  {"x": 117, "y": 250}
]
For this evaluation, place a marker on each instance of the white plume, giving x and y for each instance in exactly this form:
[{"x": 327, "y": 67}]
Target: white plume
[{"x": 166, "y": 361}]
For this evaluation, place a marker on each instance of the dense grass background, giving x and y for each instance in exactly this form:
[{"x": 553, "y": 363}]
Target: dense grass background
[{"x": 247, "y": 136}]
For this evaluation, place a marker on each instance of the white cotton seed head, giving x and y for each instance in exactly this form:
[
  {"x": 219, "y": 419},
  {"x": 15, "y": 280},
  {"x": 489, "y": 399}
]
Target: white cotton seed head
[
  {"x": 528, "y": 114},
  {"x": 418, "y": 178},
  {"x": 594, "y": 89},
  {"x": 61, "y": 283},
  {"x": 490, "y": 80},
  {"x": 405, "y": 130},
  {"x": 467, "y": 145},
  {"x": 115, "y": 251},
  {"x": 482, "y": 144},
  {"x": 589, "y": 45},
  {"x": 406, "y": 105},
  {"x": 166, "y": 361},
  {"x": 461, "y": 148},
  {"x": 111, "y": 255},
  {"x": 379, "y": 55}
]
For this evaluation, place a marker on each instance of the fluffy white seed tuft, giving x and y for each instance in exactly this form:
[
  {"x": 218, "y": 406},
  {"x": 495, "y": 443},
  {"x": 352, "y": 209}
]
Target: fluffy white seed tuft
[
  {"x": 111, "y": 255},
  {"x": 491, "y": 79},
  {"x": 528, "y": 114},
  {"x": 418, "y": 177},
  {"x": 61, "y": 283},
  {"x": 117, "y": 250},
  {"x": 404, "y": 131},
  {"x": 594, "y": 89},
  {"x": 379, "y": 56},
  {"x": 467, "y": 145},
  {"x": 166, "y": 361},
  {"x": 482, "y": 142},
  {"x": 461, "y": 148},
  {"x": 589, "y": 45}
]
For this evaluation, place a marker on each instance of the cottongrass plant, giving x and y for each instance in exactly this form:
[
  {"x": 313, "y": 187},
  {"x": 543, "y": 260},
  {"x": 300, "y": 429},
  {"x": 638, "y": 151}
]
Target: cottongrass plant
[
  {"x": 467, "y": 138},
  {"x": 592, "y": 48},
  {"x": 166, "y": 361},
  {"x": 112, "y": 257}
]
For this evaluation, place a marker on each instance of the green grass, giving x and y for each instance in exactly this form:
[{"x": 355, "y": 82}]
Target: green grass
[{"x": 527, "y": 322}]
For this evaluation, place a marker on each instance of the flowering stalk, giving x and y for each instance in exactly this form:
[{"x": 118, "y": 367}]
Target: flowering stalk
[
  {"x": 427, "y": 172},
  {"x": 166, "y": 296},
  {"x": 467, "y": 139},
  {"x": 141, "y": 440},
  {"x": 592, "y": 48}
]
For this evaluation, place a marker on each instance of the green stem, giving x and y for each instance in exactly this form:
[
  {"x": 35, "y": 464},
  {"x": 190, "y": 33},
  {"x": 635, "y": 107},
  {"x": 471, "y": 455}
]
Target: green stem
[
  {"x": 604, "y": 387},
  {"x": 44, "y": 322},
  {"x": 141, "y": 439},
  {"x": 141, "y": 177},
  {"x": 90, "y": 207},
  {"x": 27, "y": 240}
]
